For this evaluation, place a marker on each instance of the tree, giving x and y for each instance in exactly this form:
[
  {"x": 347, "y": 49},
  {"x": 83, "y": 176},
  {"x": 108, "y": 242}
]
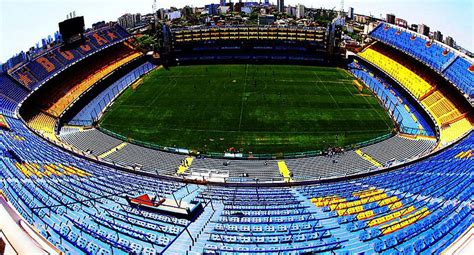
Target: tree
[{"x": 146, "y": 42}]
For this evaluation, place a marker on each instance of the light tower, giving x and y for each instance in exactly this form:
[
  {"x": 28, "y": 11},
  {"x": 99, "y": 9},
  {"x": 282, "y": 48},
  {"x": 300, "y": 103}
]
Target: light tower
[
  {"x": 155, "y": 15},
  {"x": 153, "y": 7},
  {"x": 341, "y": 12}
]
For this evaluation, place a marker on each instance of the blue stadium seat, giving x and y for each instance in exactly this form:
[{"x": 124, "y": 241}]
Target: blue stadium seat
[{"x": 441, "y": 59}]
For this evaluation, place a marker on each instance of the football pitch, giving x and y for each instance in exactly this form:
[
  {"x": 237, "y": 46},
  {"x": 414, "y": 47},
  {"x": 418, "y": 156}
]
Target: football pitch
[{"x": 252, "y": 108}]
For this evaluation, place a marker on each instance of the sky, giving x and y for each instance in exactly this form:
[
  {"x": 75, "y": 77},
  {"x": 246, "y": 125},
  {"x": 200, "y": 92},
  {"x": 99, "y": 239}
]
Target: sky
[{"x": 25, "y": 22}]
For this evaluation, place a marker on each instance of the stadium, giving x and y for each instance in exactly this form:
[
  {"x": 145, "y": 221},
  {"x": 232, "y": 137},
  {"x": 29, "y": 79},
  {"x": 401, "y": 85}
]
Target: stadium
[{"x": 237, "y": 140}]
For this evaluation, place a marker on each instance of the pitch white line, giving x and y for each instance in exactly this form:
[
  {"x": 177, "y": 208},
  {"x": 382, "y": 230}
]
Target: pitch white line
[{"x": 243, "y": 95}]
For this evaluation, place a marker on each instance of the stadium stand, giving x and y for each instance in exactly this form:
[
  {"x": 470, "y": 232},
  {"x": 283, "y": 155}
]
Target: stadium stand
[
  {"x": 44, "y": 124},
  {"x": 408, "y": 117},
  {"x": 458, "y": 72},
  {"x": 47, "y": 104},
  {"x": 38, "y": 70},
  {"x": 64, "y": 89},
  {"x": 436, "y": 102},
  {"x": 393, "y": 150},
  {"x": 311, "y": 34},
  {"x": 11, "y": 90},
  {"x": 443, "y": 59},
  {"x": 414, "y": 83},
  {"x": 347, "y": 163},
  {"x": 95, "y": 107},
  {"x": 443, "y": 110},
  {"x": 66, "y": 192},
  {"x": 288, "y": 213},
  {"x": 415, "y": 44},
  {"x": 10, "y": 95},
  {"x": 78, "y": 89},
  {"x": 90, "y": 140},
  {"x": 9, "y": 106},
  {"x": 344, "y": 211},
  {"x": 245, "y": 44},
  {"x": 147, "y": 159},
  {"x": 82, "y": 206}
]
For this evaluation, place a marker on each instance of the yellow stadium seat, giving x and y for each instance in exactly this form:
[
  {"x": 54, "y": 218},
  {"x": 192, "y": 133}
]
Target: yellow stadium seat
[
  {"x": 455, "y": 130},
  {"x": 443, "y": 110},
  {"x": 407, "y": 78}
]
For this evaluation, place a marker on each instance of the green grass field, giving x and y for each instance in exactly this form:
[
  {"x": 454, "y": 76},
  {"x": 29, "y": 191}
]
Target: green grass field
[{"x": 253, "y": 108}]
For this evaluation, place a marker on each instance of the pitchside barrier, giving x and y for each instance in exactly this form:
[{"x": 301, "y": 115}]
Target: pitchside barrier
[{"x": 241, "y": 155}]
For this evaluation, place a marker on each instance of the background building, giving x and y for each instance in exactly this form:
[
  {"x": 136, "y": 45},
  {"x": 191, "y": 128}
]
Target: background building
[
  {"x": 223, "y": 9},
  {"x": 281, "y": 5},
  {"x": 212, "y": 9},
  {"x": 449, "y": 41},
  {"x": 129, "y": 20},
  {"x": 186, "y": 12},
  {"x": 350, "y": 13},
  {"x": 174, "y": 15},
  {"x": 246, "y": 10},
  {"x": 390, "y": 18},
  {"x": 361, "y": 19},
  {"x": 238, "y": 6},
  {"x": 161, "y": 13},
  {"x": 291, "y": 10},
  {"x": 438, "y": 36},
  {"x": 424, "y": 29},
  {"x": 401, "y": 22},
  {"x": 300, "y": 11}
]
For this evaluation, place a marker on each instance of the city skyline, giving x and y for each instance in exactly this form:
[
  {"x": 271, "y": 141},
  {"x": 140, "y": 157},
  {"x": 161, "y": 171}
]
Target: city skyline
[{"x": 457, "y": 20}]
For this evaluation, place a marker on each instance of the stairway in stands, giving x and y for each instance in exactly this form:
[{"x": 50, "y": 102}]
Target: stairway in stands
[
  {"x": 199, "y": 230},
  {"x": 448, "y": 64},
  {"x": 337, "y": 230}
]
